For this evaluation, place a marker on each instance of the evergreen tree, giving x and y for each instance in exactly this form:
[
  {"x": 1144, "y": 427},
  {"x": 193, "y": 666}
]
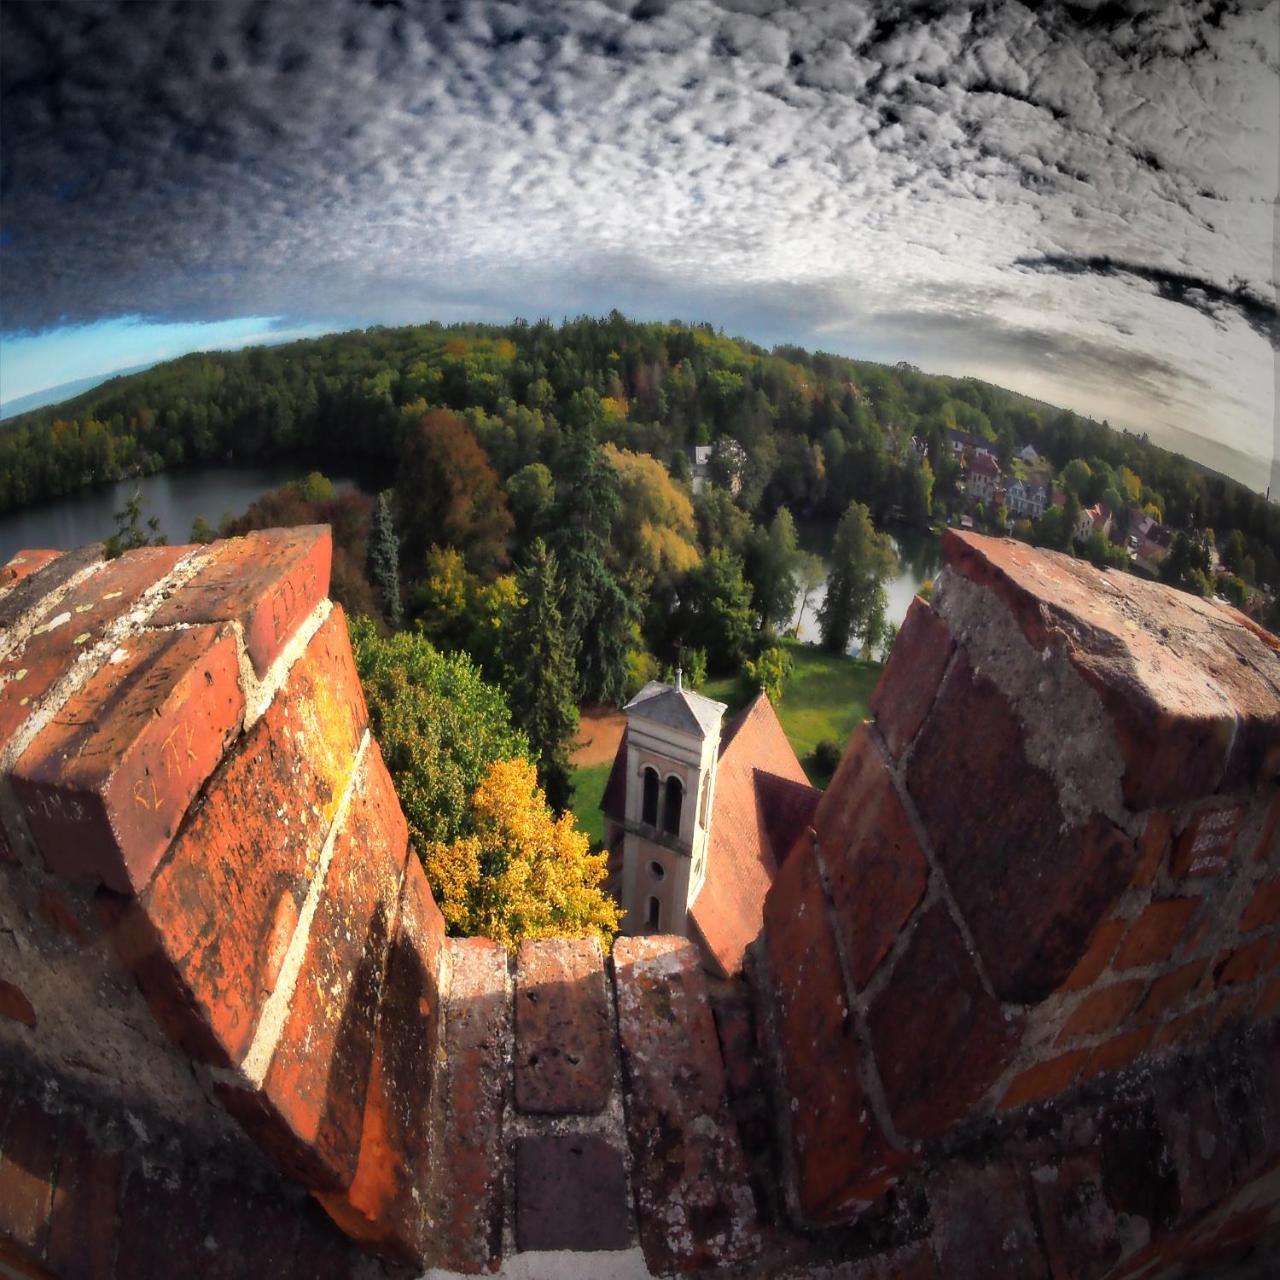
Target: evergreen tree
[
  {"x": 597, "y": 611},
  {"x": 384, "y": 561},
  {"x": 861, "y": 559},
  {"x": 540, "y": 674}
]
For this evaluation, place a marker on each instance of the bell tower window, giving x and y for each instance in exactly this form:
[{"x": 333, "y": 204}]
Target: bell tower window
[
  {"x": 653, "y": 920},
  {"x": 672, "y": 805},
  {"x": 649, "y": 808}
]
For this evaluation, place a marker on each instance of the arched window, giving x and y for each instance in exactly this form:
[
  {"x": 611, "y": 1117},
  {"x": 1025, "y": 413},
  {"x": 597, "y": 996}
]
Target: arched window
[
  {"x": 657, "y": 870},
  {"x": 702, "y": 803},
  {"x": 671, "y": 808},
  {"x": 649, "y": 812},
  {"x": 654, "y": 921}
]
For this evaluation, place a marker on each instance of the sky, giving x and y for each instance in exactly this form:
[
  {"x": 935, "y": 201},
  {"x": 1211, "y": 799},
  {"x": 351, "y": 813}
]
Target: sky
[{"x": 1078, "y": 201}]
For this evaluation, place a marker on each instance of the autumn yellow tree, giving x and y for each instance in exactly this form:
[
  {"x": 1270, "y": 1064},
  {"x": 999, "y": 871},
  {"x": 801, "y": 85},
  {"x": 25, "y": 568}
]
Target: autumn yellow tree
[
  {"x": 520, "y": 872},
  {"x": 658, "y": 535}
]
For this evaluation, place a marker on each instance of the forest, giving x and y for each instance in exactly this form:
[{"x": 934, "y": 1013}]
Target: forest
[{"x": 816, "y": 431}]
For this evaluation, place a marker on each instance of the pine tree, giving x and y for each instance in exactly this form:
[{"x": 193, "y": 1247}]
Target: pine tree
[
  {"x": 384, "y": 563},
  {"x": 541, "y": 678}
]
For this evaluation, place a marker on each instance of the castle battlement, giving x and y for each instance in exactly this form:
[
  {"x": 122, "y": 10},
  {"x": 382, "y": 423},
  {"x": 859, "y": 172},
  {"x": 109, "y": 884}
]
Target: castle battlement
[{"x": 1012, "y": 1011}]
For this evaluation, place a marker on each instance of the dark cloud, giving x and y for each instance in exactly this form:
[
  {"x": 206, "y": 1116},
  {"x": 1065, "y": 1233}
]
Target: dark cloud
[
  {"x": 383, "y": 159},
  {"x": 1200, "y": 295}
]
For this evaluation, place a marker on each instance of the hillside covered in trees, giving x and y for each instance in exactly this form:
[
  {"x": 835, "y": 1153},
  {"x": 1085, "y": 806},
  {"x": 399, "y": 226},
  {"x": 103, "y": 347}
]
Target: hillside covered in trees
[{"x": 817, "y": 430}]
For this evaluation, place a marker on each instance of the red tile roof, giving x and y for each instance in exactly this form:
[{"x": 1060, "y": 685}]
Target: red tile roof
[{"x": 763, "y": 800}]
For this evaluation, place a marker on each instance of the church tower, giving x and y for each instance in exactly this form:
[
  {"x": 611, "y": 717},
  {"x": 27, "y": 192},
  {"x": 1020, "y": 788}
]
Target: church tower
[{"x": 672, "y": 746}]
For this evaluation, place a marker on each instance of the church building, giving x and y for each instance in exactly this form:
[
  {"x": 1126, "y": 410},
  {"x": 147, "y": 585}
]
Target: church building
[{"x": 699, "y": 815}]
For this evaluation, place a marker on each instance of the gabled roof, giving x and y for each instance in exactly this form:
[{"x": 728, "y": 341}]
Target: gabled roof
[
  {"x": 763, "y": 800},
  {"x": 677, "y": 708}
]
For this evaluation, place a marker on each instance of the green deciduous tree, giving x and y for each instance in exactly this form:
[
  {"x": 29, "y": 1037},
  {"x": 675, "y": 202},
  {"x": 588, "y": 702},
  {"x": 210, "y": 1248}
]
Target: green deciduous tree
[
  {"x": 861, "y": 559},
  {"x": 439, "y": 724},
  {"x": 774, "y": 560}
]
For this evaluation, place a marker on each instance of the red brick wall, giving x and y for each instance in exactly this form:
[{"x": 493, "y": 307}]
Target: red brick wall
[
  {"x": 1050, "y": 857},
  {"x": 192, "y": 809},
  {"x": 1052, "y": 854}
]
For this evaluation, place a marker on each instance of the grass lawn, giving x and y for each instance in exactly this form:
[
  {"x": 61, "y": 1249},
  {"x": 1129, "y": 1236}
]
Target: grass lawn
[
  {"x": 588, "y": 787},
  {"x": 826, "y": 697}
]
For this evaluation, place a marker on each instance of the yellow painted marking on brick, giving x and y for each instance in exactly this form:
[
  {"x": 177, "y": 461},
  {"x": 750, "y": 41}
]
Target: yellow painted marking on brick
[
  {"x": 83, "y": 608},
  {"x": 82, "y": 637},
  {"x": 53, "y": 624},
  {"x": 20, "y": 674},
  {"x": 113, "y": 595}
]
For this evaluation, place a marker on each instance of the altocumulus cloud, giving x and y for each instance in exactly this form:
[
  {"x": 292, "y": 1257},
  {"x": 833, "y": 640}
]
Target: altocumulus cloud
[{"x": 1071, "y": 198}]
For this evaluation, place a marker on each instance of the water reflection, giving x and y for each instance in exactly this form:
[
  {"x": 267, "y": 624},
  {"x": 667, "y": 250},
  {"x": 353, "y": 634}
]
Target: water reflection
[
  {"x": 919, "y": 559},
  {"x": 176, "y": 497}
]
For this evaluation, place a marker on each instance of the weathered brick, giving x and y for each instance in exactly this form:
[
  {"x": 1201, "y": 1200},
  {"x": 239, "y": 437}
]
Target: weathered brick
[
  {"x": 1119, "y": 1052},
  {"x": 1263, "y": 909},
  {"x": 1083, "y": 1237},
  {"x": 1137, "y": 1171},
  {"x": 24, "y": 563},
  {"x": 247, "y": 1233},
  {"x": 1171, "y": 989},
  {"x": 383, "y": 1205},
  {"x": 77, "y": 623},
  {"x": 465, "y": 1197},
  {"x": 199, "y": 938},
  {"x": 1101, "y": 948},
  {"x": 1269, "y": 840},
  {"x": 940, "y": 1039},
  {"x": 85, "y": 1209},
  {"x": 1268, "y": 1001},
  {"x": 1155, "y": 933},
  {"x": 1204, "y": 846},
  {"x": 1103, "y": 1009},
  {"x": 1246, "y": 962},
  {"x": 982, "y": 1224},
  {"x": 106, "y": 782},
  {"x": 843, "y": 1160},
  {"x": 876, "y": 867},
  {"x": 15, "y": 1005},
  {"x": 269, "y": 582},
  {"x": 563, "y": 1064},
  {"x": 1181, "y": 1030},
  {"x": 1003, "y": 843},
  {"x": 309, "y": 1111},
  {"x": 27, "y": 1158},
  {"x": 693, "y": 1201},
  {"x": 29, "y": 591},
  {"x": 58, "y": 912},
  {"x": 1153, "y": 845},
  {"x": 735, "y": 1029},
  {"x": 571, "y": 1193},
  {"x": 161, "y": 1220},
  {"x": 907, "y": 686},
  {"x": 1195, "y": 1141},
  {"x": 1189, "y": 688},
  {"x": 1044, "y": 1080}
]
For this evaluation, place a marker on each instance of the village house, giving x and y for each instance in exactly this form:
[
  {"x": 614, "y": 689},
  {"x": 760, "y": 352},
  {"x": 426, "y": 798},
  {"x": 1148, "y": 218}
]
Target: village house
[
  {"x": 699, "y": 819},
  {"x": 984, "y": 477},
  {"x": 700, "y": 464},
  {"x": 1025, "y": 499}
]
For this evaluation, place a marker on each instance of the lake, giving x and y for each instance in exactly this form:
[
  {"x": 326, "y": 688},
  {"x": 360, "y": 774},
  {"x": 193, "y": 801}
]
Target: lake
[
  {"x": 919, "y": 559},
  {"x": 176, "y": 497}
]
